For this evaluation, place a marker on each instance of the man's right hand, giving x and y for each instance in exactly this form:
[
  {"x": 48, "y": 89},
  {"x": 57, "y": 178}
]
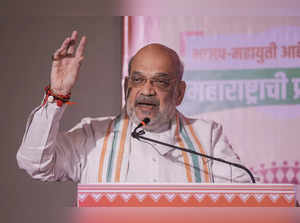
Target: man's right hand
[{"x": 66, "y": 64}]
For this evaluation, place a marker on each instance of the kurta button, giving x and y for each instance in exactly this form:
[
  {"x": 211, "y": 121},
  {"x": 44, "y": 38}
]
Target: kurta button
[{"x": 154, "y": 159}]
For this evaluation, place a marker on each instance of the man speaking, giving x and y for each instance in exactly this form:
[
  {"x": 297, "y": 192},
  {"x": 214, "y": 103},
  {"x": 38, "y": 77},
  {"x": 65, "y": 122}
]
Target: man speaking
[{"x": 102, "y": 149}]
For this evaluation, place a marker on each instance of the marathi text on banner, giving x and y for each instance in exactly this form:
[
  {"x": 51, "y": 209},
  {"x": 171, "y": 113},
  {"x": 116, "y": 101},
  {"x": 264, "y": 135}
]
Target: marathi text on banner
[{"x": 228, "y": 93}]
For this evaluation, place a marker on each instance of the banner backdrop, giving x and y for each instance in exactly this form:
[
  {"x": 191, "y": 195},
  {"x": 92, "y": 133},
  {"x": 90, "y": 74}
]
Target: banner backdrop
[{"x": 243, "y": 72}]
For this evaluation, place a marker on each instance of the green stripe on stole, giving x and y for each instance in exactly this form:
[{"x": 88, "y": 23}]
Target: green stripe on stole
[
  {"x": 183, "y": 133},
  {"x": 189, "y": 143},
  {"x": 113, "y": 149}
]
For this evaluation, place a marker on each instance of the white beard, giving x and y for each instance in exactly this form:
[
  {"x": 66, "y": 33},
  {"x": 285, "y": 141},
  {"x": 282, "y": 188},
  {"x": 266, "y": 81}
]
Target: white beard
[{"x": 160, "y": 123}]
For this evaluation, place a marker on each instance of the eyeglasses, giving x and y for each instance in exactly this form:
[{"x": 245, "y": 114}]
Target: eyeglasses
[{"x": 159, "y": 82}]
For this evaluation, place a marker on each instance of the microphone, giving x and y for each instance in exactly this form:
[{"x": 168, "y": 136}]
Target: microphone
[
  {"x": 138, "y": 136},
  {"x": 135, "y": 134},
  {"x": 143, "y": 123}
]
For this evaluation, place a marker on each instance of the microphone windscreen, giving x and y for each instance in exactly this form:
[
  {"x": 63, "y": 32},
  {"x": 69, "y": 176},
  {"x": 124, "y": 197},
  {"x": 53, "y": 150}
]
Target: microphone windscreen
[{"x": 146, "y": 120}]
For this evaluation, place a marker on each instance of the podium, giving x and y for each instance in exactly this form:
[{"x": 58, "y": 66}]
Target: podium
[
  {"x": 186, "y": 195},
  {"x": 187, "y": 203}
]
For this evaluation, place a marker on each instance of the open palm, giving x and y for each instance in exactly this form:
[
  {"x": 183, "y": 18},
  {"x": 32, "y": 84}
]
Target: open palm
[{"x": 66, "y": 64}]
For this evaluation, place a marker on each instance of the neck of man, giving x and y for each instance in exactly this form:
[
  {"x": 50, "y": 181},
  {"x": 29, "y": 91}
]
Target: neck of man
[{"x": 158, "y": 126}]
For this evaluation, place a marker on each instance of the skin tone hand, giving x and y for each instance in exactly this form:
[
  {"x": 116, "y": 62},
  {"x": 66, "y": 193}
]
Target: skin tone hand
[{"x": 66, "y": 64}]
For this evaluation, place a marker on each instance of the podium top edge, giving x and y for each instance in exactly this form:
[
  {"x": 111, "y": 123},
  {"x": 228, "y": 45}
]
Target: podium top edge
[{"x": 184, "y": 186}]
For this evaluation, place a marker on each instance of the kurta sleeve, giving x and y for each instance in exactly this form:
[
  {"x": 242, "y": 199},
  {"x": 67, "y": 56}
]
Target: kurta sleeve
[
  {"x": 221, "y": 148},
  {"x": 48, "y": 155}
]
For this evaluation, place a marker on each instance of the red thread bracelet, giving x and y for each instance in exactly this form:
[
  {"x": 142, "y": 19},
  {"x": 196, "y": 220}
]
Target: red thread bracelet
[{"x": 60, "y": 99}]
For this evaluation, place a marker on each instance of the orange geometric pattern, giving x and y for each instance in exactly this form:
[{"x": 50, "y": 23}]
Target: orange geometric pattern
[{"x": 186, "y": 195}]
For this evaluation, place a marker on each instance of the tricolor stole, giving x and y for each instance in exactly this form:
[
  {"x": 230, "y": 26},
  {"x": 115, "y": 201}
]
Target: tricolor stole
[
  {"x": 197, "y": 168},
  {"x": 114, "y": 156}
]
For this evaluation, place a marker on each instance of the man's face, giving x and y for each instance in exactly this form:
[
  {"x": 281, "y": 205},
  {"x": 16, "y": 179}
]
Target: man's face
[{"x": 154, "y": 90}]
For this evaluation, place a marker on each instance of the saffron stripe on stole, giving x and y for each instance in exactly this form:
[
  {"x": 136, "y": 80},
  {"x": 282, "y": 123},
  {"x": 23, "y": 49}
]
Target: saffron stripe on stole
[
  {"x": 205, "y": 166},
  {"x": 103, "y": 151},
  {"x": 121, "y": 150},
  {"x": 195, "y": 158},
  {"x": 114, "y": 142},
  {"x": 184, "y": 154}
]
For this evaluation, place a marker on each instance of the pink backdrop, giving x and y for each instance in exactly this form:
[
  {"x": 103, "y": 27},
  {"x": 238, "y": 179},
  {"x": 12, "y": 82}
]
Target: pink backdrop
[{"x": 242, "y": 72}]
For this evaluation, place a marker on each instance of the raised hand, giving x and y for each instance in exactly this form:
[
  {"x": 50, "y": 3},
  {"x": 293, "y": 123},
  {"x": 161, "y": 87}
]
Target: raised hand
[{"x": 66, "y": 64}]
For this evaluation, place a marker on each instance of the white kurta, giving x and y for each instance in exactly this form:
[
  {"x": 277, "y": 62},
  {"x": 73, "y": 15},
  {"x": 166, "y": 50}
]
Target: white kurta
[{"x": 49, "y": 155}]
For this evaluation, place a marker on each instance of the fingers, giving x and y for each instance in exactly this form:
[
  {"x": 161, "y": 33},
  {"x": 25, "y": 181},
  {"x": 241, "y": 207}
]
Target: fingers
[
  {"x": 62, "y": 50},
  {"x": 81, "y": 47},
  {"x": 67, "y": 48},
  {"x": 71, "y": 45}
]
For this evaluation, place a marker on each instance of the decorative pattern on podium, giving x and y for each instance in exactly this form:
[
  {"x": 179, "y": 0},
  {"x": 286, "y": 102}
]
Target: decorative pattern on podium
[
  {"x": 285, "y": 172},
  {"x": 186, "y": 195}
]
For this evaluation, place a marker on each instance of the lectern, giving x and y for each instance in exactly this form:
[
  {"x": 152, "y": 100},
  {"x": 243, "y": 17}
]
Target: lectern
[
  {"x": 186, "y": 195},
  {"x": 187, "y": 203}
]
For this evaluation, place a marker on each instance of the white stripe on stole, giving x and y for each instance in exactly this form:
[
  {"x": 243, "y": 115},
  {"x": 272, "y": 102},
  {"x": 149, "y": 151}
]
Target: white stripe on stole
[
  {"x": 105, "y": 149},
  {"x": 113, "y": 159},
  {"x": 122, "y": 151},
  {"x": 185, "y": 156},
  {"x": 112, "y": 151},
  {"x": 190, "y": 161},
  {"x": 107, "y": 157},
  {"x": 203, "y": 162}
]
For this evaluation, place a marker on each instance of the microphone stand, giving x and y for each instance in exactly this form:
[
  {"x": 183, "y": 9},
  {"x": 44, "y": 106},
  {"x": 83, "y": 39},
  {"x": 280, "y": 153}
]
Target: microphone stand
[{"x": 139, "y": 135}]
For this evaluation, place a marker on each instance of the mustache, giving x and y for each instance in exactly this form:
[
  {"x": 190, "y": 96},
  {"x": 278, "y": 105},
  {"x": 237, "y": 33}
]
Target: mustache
[{"x": 147, "y": 100}]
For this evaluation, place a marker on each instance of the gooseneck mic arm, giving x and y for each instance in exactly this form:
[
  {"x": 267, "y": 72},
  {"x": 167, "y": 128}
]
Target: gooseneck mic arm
[{"x": 139, "y": 135}]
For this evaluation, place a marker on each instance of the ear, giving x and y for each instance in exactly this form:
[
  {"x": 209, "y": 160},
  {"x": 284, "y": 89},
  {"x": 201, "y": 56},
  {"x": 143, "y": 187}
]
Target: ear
[{"x": 180, "y": 92}]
